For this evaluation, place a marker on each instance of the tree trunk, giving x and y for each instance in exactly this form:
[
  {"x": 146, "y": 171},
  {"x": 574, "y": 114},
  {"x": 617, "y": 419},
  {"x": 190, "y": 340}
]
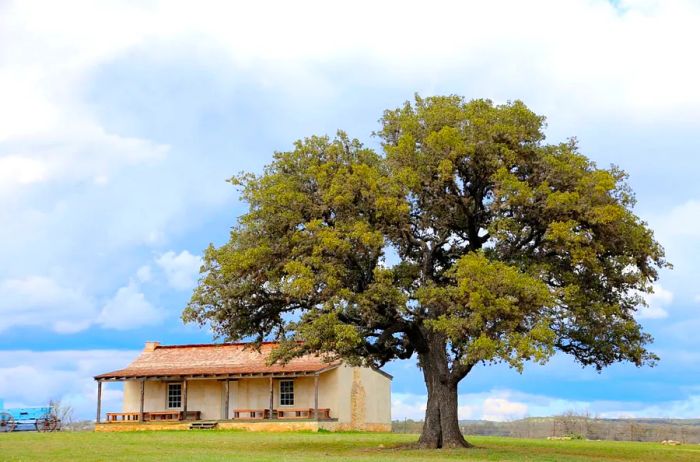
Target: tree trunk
[{"x": 441, "y": 426}]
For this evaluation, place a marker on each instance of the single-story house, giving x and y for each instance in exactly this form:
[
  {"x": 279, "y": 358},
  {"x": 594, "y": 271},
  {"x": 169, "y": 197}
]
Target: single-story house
[{"x": 232, "y": 385}]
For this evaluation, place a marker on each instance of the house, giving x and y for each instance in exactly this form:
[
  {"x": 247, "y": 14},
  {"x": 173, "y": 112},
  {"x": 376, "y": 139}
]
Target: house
[{"x": 232, "y": 386}]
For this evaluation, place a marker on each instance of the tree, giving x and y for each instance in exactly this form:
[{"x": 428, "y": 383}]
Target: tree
[
  {"x": 63, "y": 412},
  {"x": 468, "y": 241}
]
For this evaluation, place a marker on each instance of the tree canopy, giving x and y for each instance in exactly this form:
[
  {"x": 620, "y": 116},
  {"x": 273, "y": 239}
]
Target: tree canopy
[{"x": 468, "y": 240}]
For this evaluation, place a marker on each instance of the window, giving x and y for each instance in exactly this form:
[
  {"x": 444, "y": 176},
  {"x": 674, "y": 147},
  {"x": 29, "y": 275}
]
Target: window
[
  {"x": 174, "y": 395},
  {"x": 286, "y": 393}
]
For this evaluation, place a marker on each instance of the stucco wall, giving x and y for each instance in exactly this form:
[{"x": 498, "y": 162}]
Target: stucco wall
[
  {"x": 357, "y": 397},
  {"x": 362, "y": 396},
  {"x": 208, "y": 397},
  {"x": 250, "y": 394},
  {"x": 202, "y": 395},
  {"x": 377, "y": 396},
  {"x": 328, "y": 392},
  {"x": 255, "y": 393},
  {"x": 342, "y": 386},
  {"x": 205, "y": 396},
  {"x": 154, "y": 396}
]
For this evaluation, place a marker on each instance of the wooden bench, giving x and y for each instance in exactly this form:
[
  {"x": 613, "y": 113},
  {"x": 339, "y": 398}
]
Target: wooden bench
[
  {"x": 248, "y": 414},
  {"x": 303, "y": 413},
  {"x": 123, "y": 417},
  {"x": 295, "y": 413},
  {"x": 163, "y": 415},
  {"x": 285, "y": 413},
  {"x": 191, "y": 415},
  {"x": 152, "y": 416}
]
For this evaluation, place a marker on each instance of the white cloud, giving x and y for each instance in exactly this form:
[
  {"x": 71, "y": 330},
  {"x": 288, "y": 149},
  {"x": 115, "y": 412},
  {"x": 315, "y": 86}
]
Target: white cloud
[
  {"x": 180, "y": 269},
  {"x": 78, "y": 195},
  {"x": 66, "y": 375},
  {"x": 682, "y": 220},
  {"x": 129, "y": 309},
  {"x": 17, "y": 170},
  {"x": 504, "y": 405},
  {"x": 682, "y": 408},
  {"x": 408, "y": 406},
  {"x": 656, "y": 304},
  {"x": 87, "y": 154},
  {"x": 38, "y": 301},
  {"x": 678, "y": 229},
  {"x": 144, "y": 274},
  {"x": 636, "y": 60},
  {"x": 43, "y": 302},
  {"x": 497, "y": 405},
  {"x": 500, "y": 409}
]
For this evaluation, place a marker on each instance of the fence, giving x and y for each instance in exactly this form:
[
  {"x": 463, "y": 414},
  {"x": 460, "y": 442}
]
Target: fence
[{"x": 576, "y": 427}]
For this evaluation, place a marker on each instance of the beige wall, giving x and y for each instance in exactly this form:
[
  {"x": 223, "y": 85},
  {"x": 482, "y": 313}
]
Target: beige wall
[
  {"x": 377, "y": 396},
  {"x": 202, "y": 395},
  {"x": 255, "y": 393},
  {"x": 361, "y": 396},
  {"x": 355, "y": 396}
]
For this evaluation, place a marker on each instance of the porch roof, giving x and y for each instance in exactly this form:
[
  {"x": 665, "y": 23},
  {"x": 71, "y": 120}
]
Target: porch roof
[{"x": 214, "y": 360}]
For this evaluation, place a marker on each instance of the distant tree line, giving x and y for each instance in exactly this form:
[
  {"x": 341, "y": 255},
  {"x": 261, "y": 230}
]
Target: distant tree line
[{"x": 577, "y": 426}]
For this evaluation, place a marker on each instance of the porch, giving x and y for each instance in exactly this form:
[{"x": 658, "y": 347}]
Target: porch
[
  {"x": 248, "y": 398},
  {"x": 237, "y": 414}
]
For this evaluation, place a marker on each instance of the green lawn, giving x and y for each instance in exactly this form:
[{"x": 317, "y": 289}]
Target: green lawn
[{"x": 317, "y": 447}]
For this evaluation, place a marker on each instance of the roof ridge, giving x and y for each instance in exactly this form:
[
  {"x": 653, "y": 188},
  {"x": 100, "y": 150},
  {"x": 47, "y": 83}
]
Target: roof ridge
[{"x": 203, "y": 345}]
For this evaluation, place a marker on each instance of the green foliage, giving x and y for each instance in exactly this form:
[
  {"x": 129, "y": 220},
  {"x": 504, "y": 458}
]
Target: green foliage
[
  {"x": 245, "y": 446},
  {"x": 492, "y": 312},
  {"x": 508, "y": 248}
]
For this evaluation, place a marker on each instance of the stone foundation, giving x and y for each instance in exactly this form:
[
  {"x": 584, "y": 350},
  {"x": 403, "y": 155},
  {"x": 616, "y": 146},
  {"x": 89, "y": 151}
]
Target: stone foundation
[{"x": 253, "y": 426}]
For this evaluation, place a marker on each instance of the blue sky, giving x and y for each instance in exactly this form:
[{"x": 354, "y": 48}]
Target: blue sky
[{"x": 120, "y": 124}]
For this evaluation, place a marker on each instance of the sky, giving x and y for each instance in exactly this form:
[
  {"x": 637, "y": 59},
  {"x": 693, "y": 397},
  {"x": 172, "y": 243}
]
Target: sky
[{"x": 121, "y": 121}]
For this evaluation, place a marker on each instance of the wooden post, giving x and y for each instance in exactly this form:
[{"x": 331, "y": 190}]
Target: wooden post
[
  {"x": 226, "y": 390},
  {"x": 143, "y": 392},
  {"x": 184, "y": 399},
  {"x": 99, "y": 400},
  {"x": 316, "y": 397},
  {"x": 272, "y": 396}
]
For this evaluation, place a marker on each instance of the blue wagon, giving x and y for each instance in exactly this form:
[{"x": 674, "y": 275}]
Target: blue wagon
[{"x": 41, "y": 419}]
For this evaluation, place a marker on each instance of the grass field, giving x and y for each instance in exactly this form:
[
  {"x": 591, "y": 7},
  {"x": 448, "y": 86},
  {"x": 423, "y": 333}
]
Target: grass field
[{"x": 317, "y": 447}]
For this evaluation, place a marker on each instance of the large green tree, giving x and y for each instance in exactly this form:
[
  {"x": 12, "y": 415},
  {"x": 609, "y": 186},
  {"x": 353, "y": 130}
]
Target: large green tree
[{"x": 468, "y": 241}]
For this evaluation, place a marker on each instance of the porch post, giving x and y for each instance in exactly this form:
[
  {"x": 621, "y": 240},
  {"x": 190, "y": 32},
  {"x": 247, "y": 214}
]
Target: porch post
[
  {"x": 316, "y": 397},
  {"x": 272, "y": 401},
  {"x": 99, "y": 400},
  {"x": 184, "y": 399},
  {"x": 226, "y": 390},
  {"x": 143, "y": 392}
]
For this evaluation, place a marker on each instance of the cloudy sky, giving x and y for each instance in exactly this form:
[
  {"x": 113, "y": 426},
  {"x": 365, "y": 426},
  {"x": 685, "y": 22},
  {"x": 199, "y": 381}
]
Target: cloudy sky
[{"x": 120, "y": 122}]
